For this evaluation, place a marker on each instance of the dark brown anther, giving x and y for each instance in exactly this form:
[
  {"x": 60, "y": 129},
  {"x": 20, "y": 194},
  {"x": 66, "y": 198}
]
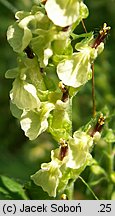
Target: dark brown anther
[
  {"x": 43, "y": 1},
  {"x": 65, "y": 28},
  {"x": 29, "y": 52},
  {"x": 101, "y": 36},
  {"x": 41, "y": 70},
  {"x": 63, "y": 149},
  {"x": 98, "y": 126},
  {"x": 64, "y": 197},
  {"x": 65, "y": 92}
]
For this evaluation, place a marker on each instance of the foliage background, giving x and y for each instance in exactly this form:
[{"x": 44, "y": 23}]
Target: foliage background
[{"x": 19, "y": 158}]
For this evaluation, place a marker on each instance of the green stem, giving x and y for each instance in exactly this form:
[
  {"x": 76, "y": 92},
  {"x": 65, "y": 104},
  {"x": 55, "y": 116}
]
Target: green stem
[
  {"x": 110, "y": 159},
  {"x": 93, "y": 91},
  {"x": 70, "y": 114},
  {"x": 93, "y": 80},
  {"x": 110, "y": 169},
  {"x": 8, "y": 5},
  {"x": 88, "y": 187},
  {"x": 70, "y": 187},
  {"x": 84, "y": 27},
  {"x": 70, "y": 190}
]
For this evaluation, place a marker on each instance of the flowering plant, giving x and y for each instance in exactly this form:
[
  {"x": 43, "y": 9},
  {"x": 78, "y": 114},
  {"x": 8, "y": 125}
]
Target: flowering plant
[{"x": 49, "y": 74}]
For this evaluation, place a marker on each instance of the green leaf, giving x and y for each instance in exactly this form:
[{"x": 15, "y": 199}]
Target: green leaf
[
  {"x": 35, "y": 192},
  {"x": 12, "y": 189},
  {"x": 84, "y": 35}
]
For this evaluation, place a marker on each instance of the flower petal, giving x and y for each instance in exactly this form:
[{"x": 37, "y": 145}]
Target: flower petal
[
  {"x": 75, "y": 71},
  {"x": 64, "y": 13}
]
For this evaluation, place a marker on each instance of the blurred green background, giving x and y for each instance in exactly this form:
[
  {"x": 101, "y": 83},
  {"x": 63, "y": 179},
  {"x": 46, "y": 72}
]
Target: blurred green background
[{"x": 19, "y": 158}]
